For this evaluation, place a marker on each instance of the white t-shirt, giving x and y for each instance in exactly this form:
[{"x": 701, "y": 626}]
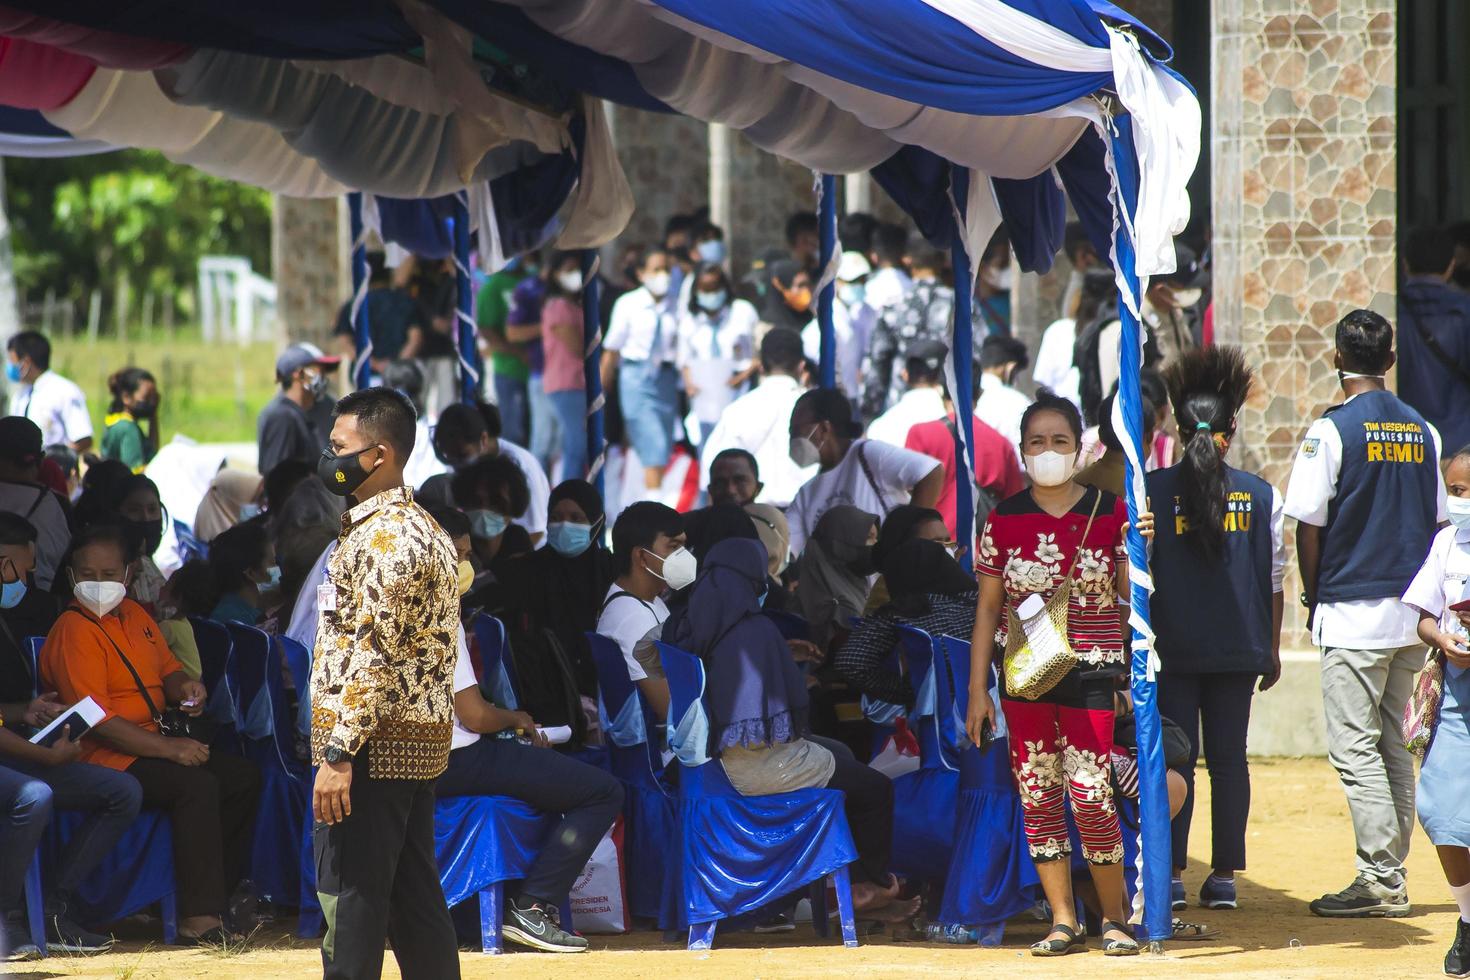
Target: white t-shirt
[
  {"x": 56, "y": 405},
  {"x": 629, "y": 621},
  {"x": 464, "y": 678},
  {"x": 916, "y": 406},
  {"x": 886, "y": 288},
  {"x": 1054, "y": 356},
  {"x": 1000, "y": 406},
  {"x": 1442, "y": 580},
  {"x": 714, "y": 349},
  {"x": 642, "y": 328},
  {"x": 759, "y": 422},
  {"x": 1361, "y": 624},
  {"x": 534, "y": 519},
  {"x": 851, "y": 348},
  {"x": 895, "y": 471}
]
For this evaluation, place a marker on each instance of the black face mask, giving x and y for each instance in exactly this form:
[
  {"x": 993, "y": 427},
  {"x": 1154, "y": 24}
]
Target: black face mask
[
  {"x": 342, "y": 475},
  {"x": 143, "y": 410},
  {"x": 145, "y": 535}
]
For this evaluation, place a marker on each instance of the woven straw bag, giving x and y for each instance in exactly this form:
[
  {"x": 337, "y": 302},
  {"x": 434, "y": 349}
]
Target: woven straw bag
[{"x": 1031, "y": 672}]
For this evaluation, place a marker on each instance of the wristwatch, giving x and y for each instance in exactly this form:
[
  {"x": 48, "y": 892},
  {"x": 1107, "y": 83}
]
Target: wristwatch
[{"x": 334, "y": 755}]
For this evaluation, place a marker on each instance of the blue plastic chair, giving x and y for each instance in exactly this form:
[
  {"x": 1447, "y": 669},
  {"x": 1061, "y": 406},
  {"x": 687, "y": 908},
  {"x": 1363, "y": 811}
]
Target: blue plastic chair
[
  {"x": 257, "y": 667},
  {"x": 739, "y": 853},
  {"x": 215, "y": 652},
  {"x": 499, "y": 683},
  {"x": 991, "y": 875},
  {"x": 630, "y": 731},
  {"x": 925, "y": 801},
  {"x": 190, "y": 547},
  {"x": 136, "y": 873}
]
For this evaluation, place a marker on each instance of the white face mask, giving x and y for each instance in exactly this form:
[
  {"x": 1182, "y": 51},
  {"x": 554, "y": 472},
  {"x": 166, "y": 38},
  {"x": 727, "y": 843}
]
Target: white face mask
[
  {"x": 712, "y": 250},
  {"x": 804, "y": 452},
  {"x": 657, "y": 283},
  {"x": 998, "y": 279},
  {"x": 99, "y": 598},
  {"x": 1050, "y": 469},
  {"x": 1185, "y": 298},
  {"x": 679, "y": 568},
  {"x": 1459, "y": 510},
  {"x": 570, "y": 281}
]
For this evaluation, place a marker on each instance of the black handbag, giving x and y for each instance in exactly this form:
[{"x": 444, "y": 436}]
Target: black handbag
[{"x": 171, "y": 722}]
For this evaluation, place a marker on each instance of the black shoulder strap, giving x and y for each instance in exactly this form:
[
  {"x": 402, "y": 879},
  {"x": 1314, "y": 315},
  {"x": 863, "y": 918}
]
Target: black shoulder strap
[
  {"x": 868, "y": 472},
  {"x": 618, "y": 595},
  {"x": 142, "y": 688},
  {"x": 40, "y": 496},
  {"x": 1440, "y": 354}
]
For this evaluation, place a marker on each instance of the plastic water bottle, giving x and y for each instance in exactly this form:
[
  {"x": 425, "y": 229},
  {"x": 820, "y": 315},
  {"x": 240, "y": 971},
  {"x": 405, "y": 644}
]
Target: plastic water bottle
[{"x": 955, "y": 933}]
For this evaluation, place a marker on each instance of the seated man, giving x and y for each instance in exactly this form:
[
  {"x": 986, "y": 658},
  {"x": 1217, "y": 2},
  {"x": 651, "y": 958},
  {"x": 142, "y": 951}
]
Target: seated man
[{"x": 33, "y": 779}]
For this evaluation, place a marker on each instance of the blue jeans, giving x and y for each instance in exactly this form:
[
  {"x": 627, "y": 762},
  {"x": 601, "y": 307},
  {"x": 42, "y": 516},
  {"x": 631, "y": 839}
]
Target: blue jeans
[
  {"x": 571, "y": 418},
  {"x": 27, "y": 795},
  {"x": 544, "y": 424},
  {"x": 510, "y": 398}
]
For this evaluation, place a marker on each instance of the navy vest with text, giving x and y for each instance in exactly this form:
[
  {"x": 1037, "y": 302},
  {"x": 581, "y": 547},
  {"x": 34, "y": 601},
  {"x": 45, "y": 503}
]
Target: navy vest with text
[
  {"x": 1212, "y": 615},
  {"x": 1382, "y": 520}
]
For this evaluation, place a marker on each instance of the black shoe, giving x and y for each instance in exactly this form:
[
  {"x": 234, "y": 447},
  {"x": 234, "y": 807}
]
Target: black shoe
[
  {"x": 780, "y": 922},
  {"x": 1364, "y": 898},
  {"x": 242, "y": 915},
  {"x": 529, "y": 924},
  {"x": 65, "y": 935},
  {"x": 15, "y": 942},
  {"x": 1457, "y": 960}
]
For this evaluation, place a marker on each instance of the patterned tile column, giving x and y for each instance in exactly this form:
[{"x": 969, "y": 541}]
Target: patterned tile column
[
  {"x": 1304, "y": 202},
  {"x": 309, "y": 265}
]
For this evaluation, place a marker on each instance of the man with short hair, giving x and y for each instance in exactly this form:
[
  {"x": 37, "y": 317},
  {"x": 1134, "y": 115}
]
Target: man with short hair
[
  {"x": 1054, "y": 367},
  {"x": 22, "y": 493},
  {"x": 464, "y": 435},
  {"x": 285, "y": 429},
  {"x": 923, "y": 399},
  {"x": 382, "y": 703},
  {"x": 999, "y": 404},
  {"x": 54, "y": 403},
  {"x": 803, "y": 238},
  {"x": 1367, "y": 493},
  {"x": 1434, "y": 335},
  {"x": 756, "y": 421},
  {"x": 889, "y": 284},
  {"x": 646, "y": 538},
  {"x": 734, "y": 478}
]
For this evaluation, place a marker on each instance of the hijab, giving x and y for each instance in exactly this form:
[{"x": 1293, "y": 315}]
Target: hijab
[
  {"x": 720, "y": 522},
  {"x": 564, "y": 594},
  {"x": 774, "y": 309},
  {"x": 832, "y": 583},
  {"x": 754, "y": 694},
  {"x": 898, "y": 527},
  {"x": 775, "y": 534},
  {"x": 220, "y": 509},
  {"x": 919, "y": 569}
]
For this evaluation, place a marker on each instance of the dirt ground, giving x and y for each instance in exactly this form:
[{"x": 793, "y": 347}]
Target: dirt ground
[{"x": 1300, "y": 846}]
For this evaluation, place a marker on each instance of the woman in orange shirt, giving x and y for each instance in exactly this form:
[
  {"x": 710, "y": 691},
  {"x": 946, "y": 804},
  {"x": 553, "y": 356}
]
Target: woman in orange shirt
[{"x": 210, "y": 798}]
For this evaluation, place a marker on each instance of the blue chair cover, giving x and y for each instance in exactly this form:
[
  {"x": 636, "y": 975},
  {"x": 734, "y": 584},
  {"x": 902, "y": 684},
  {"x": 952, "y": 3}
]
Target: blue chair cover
[
  {"x": 991, "y": 875},
  {"x": 215, "y": 652},
  {"x": 924, "y": 801},
  {"x": 499, "y": 684},
  {"x": 634, "y": 758},
  {"x": 190, "y": 547},
  {"x": 285, "y": 789},
  {"x": 481, "y": 840},
  {"x": 738, "y": 853},
  {"x": 298, "y": 662}
]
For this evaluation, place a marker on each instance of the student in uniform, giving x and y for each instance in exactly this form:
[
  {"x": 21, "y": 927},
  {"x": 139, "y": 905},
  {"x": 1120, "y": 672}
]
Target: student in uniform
[
  {"x": 1218, "y": 561},
  {"x": 1366, "y": 494}
]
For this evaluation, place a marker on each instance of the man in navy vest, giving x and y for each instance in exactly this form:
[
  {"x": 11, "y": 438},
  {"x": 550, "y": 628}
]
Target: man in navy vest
[{"x": 1366, "y": 493}]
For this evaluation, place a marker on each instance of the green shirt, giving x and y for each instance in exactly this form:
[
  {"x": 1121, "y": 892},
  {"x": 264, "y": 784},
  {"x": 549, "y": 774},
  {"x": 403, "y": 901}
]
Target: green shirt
[
  {"x": 491, "y": 309},
  {"x": 123, "y": 440}
]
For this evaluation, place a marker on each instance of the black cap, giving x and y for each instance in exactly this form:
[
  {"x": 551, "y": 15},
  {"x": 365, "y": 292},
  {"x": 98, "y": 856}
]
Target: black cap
[
  {"x": 1188, "y": 273},
  {"x": 929, "y": 350},
  {"x": 20, "y": 440}
]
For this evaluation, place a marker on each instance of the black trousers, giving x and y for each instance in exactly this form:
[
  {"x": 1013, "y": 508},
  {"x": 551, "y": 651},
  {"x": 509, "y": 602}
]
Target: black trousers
[
  {"x": 868, "y": 805},
  {"x": 213, "y": 813},
  {"x": 588, "y": 798},
  {"x": 377, "y": 878},
  {"x": 1221, "y": 705}
]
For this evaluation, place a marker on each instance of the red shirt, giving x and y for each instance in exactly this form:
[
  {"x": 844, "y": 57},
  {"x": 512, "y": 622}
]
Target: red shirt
[
  {"x": 996, "y": 467},
  {"x": 1030, "y": 551}
]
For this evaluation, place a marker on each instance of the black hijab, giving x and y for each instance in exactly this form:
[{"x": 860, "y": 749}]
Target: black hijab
[
  {"x": 919, "y": 569},
  {"x": 899, "y": 526},
  {"x": 564, "y": 594}
]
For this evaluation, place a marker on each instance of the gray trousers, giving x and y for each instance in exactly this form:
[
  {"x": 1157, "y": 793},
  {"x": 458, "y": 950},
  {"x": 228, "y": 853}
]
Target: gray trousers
[{"x": 1363, "y": 697}]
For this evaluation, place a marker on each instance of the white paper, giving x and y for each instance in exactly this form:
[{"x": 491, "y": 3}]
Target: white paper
[
  {"x": 89, "y": 709},
  {"x": 557, "y": 735}
]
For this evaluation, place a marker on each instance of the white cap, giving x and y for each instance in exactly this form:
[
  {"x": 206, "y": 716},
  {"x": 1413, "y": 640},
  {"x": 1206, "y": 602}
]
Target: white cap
[{"x": 852, "y": 267}]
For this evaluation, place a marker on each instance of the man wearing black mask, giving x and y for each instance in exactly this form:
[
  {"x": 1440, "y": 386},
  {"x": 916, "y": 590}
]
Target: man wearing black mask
[{"x": 290, "y": 427}]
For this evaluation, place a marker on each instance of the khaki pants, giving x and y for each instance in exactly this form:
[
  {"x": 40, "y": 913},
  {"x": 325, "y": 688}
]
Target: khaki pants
[{"x": 1363, "y": 697}]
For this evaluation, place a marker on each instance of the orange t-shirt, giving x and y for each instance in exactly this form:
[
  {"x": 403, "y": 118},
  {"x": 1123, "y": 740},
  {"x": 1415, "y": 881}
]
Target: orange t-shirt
[{"x": 78, "y": 661}]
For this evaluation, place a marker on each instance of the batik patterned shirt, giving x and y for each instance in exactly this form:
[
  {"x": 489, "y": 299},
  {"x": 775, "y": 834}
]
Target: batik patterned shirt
[{"x": 384, "y": 664}]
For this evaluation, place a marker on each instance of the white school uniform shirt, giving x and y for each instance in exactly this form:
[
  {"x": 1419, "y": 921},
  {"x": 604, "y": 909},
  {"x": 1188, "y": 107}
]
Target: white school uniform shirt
[
  {"x": 629, "y": 621},
  {"x": 1000, "y": 406},
  {"x": 1442, "y": 580},
  {"x": 759, "y": 422},
  {"x": 895, "y": 472},
  {"x": 464, "y": 678},
  {"x": 887, "y": 288},
  {"x": 534, "y": 519},
  {"x": 642, "y": 328},
  {"x": 1361, "y": 624},
  {"x": 916, "y": 406},
  {"x": 851, "y": 348},
  {"x": 56, "y": 405},
  {"x": 1054, "y": 356},
  {"x": 713, "y": 349}
]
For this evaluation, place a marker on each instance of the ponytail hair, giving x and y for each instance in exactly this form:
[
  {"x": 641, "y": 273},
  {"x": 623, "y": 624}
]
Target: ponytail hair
[
  {"x": 125, "y": 382},
  {"x": 1207, "y": 388}
]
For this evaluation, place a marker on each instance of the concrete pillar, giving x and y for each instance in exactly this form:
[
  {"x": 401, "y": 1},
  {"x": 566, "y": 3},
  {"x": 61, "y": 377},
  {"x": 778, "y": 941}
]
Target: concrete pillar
[
  {"x": 309, "y": 265},
  {"x": 666, "y": 158},
  {"x": 765, "y": 190}
]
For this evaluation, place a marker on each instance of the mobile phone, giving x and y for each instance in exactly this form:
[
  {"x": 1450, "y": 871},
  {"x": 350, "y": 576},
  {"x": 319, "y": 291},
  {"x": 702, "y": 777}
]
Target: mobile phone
[
  {"x": 987, "y": 736},
  {"x": 189, "y": 703}
]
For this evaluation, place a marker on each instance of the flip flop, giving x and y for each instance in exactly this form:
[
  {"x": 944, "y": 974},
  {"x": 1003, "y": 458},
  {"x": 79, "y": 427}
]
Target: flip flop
[
  {"x": 1193, "y": 931},
  {"x": 1074, "y": 943}
]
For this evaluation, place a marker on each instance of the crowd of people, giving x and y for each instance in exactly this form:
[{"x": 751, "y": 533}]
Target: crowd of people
[{"x": 380, "y": 528}]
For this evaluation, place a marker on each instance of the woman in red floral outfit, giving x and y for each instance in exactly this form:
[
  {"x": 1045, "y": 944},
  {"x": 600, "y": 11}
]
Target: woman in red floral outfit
[{"x": 1060, "y": 742}]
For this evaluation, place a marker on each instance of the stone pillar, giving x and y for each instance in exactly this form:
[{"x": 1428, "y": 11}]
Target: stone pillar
[
  {"x": 764, "y": 190},
  {"x": 666, "y": 158},
  {"x": 309, "y": 264},
  {"x": 1305, "y": 188}
]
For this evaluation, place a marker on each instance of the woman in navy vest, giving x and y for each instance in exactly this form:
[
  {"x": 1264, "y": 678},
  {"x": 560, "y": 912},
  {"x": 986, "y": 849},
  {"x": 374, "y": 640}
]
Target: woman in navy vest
[{"x": 1217, "y": 566}]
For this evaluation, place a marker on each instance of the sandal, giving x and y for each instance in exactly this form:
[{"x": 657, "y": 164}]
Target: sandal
[
  {"x": 1190, "y": 931},
  {"x": 1118, "y": 947},
  {"x": 210, "y": 937},
  {"x": 1074, "y": 943}
]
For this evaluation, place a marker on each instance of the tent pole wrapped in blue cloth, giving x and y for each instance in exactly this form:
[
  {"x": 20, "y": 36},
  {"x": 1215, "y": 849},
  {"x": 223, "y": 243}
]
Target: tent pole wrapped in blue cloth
[
  {"x": 826, "y": 284},
  {"x": 592, "y": 366},
  {"x": 362, "y": 372},
  {"x": 465, "y": 346},
  {"x": 961, "y": 369}
]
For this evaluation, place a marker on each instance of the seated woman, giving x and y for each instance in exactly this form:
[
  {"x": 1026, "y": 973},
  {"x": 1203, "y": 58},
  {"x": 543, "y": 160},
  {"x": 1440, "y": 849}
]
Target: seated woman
[
  {"x": 492, "y": 492},
  {"x": 905, "y": 522},
  {"x": 246, "y": 576},
  {"x": 832, "y": 573},
  {"x": 210, "y": 797},
  {"x": 775, "y": 534},
  {"x": 129, "y": 501},
  {"x": 756, "y": 699},
  {"x": 929, "y": 590},
  {"x": 234, "y": 496}
]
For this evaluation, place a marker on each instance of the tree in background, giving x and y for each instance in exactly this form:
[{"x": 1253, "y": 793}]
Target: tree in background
[{"x": 127, "y": 221}]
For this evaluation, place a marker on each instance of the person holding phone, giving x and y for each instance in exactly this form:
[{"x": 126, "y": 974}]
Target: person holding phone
[{"x": 1440, "y": 595}]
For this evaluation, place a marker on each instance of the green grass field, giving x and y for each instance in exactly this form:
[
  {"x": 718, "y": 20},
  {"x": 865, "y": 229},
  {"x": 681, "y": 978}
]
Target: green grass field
[{"x": 210, "y": 392}]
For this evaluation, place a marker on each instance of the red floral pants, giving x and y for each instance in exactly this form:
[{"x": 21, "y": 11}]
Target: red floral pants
[{"x": 1059, "y": 751}]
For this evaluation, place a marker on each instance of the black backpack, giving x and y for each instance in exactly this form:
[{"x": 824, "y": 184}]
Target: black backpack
[{"x": 546, "y": 683}]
